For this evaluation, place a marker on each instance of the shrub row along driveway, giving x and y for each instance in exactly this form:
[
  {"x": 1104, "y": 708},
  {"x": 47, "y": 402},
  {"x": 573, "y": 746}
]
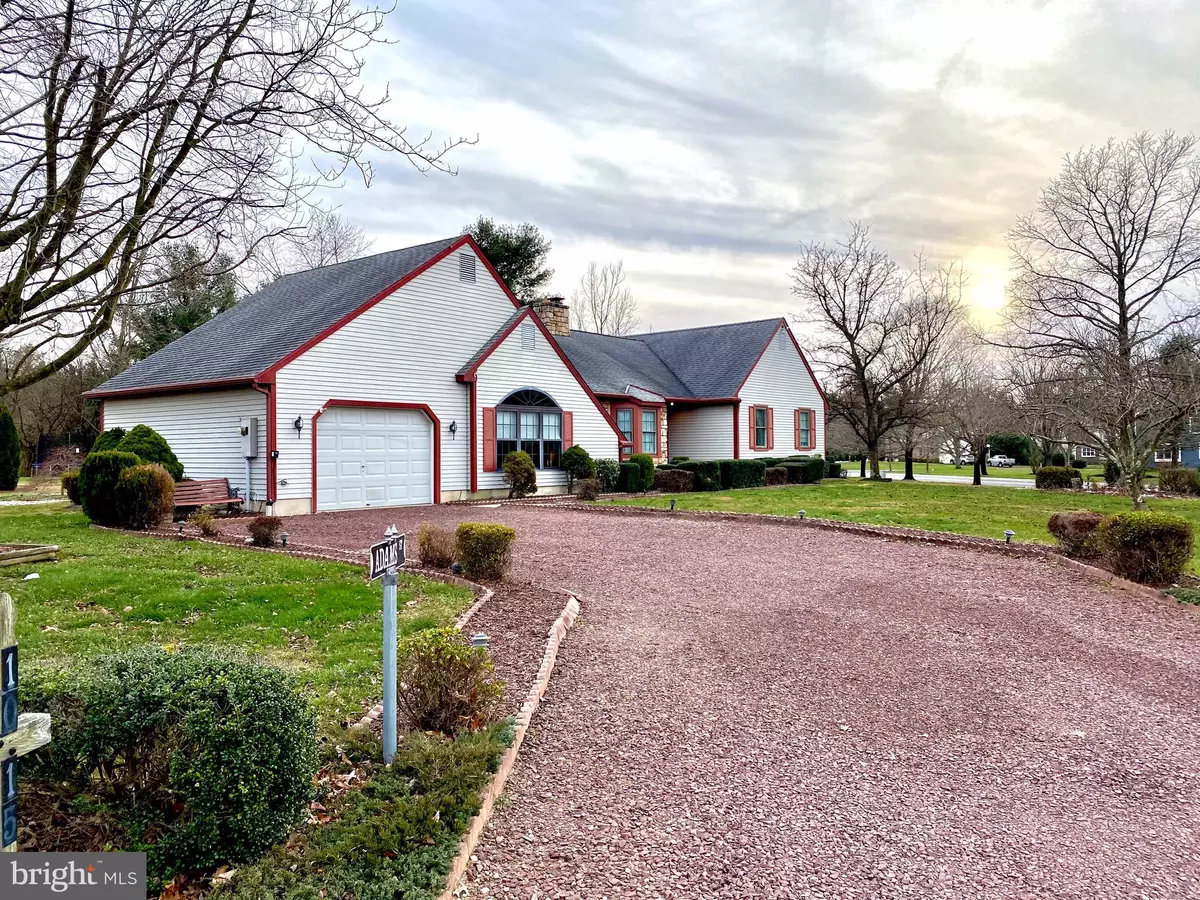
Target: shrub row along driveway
[{"x": 754, "y": 710}]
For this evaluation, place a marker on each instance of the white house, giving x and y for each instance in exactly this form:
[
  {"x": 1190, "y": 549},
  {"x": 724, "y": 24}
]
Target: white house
[{"x": 405, "y": 377}]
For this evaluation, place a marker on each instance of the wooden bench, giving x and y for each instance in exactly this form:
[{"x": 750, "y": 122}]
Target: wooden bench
[{"x": 205, "y": 492}]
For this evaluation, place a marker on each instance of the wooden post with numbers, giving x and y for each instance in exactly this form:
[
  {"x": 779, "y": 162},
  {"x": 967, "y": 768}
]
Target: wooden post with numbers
[{"x": 19, "y": 734}]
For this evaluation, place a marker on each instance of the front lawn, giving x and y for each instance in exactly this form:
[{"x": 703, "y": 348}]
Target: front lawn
[
  {"x": 959, "y": 508},
  {"x": 319, "y": 620},
  {"x": 896, "y": 470}
]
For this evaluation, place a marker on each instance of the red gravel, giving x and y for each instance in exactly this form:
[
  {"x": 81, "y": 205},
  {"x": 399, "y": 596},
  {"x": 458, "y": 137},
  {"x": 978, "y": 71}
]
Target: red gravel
[{"x": 747, "y": 710}]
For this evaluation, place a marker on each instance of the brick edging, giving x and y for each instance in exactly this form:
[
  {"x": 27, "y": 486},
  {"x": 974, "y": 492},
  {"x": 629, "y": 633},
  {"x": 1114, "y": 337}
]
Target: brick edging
[
  {"x": 895, "y": 532},
  {"x": 495, "y": 788}
]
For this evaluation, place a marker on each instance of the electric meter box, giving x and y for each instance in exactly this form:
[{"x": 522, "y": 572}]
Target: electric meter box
[{"x": 248, "y": 429}]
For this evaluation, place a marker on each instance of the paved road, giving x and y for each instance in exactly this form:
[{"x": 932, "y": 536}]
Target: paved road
[
  {"x": 960, "y": 479},
  {"x": 748, "y": 710}
]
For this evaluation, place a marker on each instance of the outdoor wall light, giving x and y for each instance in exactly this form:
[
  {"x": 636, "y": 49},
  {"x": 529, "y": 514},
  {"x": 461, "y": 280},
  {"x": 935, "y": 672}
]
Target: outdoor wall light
[
  {"x": 1009, "y": 534},
  {"x": 453, "y": 429},
  {"x": 298, "y": 424}
]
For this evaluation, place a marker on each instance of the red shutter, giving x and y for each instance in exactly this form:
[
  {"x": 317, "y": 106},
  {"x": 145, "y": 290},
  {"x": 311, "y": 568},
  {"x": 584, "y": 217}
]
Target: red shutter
[
  {"x": 796, "y": 416},
  {"x": 812, "y": 429},
  {"x": 489, "y": 439},
  {"x": 770, "y": 428},
  {"x": 753, "y": 442},
  {"x": 568, "y": 430}
]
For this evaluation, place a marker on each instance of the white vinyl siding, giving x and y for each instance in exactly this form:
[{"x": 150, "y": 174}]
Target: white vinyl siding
[
  {"x": 406, "y": 348},
  {"x": 703, "y": 432},
  {"x": 202, "y": 429},
  {"x": 781, "y": 381},
  {"x": 511, "y": 367}
]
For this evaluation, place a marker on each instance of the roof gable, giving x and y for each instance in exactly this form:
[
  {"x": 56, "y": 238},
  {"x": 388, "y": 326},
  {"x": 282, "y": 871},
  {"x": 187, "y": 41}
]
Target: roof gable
[{"x": 278, "y": 322}]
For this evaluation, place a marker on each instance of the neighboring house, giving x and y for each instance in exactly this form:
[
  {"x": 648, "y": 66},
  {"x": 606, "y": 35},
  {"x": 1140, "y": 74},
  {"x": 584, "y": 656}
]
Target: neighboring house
[{"x": 406, "y": 377}]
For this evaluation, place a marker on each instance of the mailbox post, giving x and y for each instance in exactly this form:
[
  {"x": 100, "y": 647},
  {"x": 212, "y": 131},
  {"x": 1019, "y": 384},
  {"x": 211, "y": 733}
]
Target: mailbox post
[
  {"x": 386, "y": 558},
  {"x": 19, "y": 734}
]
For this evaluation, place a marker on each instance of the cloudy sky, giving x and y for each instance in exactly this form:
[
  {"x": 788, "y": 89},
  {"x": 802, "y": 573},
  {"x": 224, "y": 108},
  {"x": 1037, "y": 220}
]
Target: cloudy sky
[{"x": 701, "y": 141}]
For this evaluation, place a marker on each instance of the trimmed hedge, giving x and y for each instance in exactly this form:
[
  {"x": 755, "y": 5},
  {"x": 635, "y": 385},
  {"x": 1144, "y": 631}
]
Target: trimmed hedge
[
  {"x": 775, "y": 475},
  {"x": 1147, "y": 547},
  {"x": 578, "y": 464},
  {"x": 98, "y": 477},
  {"x": 70, "y": 486},
  {"x": 145, "y": 442},
  {"x": 213, "y": 755},
  {"x": 520, "y": 474},
  {"x": 745, "y": 473},
  {"x": 1056, "y": 478},
  {"x": 630, "y": 479},
  {"x": 805, "y": 470},
  {"x": 108, "y": 440},
  {"x": 707, "y": 472},
  {"x": 1076, "y": 532},
  {"x": 485, "y": 549},
  {"x": 646, "y": 461},
  {"x": 674, "y": 481},
  {"x": 833, "y": 469},
  {"x": 144, "y": 496}
]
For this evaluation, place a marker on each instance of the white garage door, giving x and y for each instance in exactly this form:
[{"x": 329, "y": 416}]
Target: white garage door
[{"x": 368, "y": 456}]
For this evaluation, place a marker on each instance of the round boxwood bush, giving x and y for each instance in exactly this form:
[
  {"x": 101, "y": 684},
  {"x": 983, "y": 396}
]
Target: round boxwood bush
[
  {"x": 520, "y": 474},
  {"x": 212, "y": 754},
  {"x": 1058, "y": 459},
  {"x": 145, "y": 496},
  {"x": 98, "y": 477},
  {"x": 578, "y": 464},
  {"x": 484, "y": 550},
  {"x": 1147, "y": 547},
  {"x": 152, "y": 447},
  {"x": 108, "y": 440},
  {"x": 1056, "y": 478},
  {"x": 1076, "y": 532},
  {"x": 10, "y": 452},
  {"x": 646, "y": 462}
]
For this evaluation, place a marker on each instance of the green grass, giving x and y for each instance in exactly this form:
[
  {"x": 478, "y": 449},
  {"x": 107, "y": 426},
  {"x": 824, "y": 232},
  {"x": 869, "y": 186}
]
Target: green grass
[
  {"x": 319, "y": 620},
  {"x": 896, "y": 469},
  {"x": 960, "y": 508}
]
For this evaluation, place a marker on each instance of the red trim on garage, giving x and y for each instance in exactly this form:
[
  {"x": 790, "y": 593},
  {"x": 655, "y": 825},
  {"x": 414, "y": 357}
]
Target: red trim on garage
[
  {"x": 473, "y": 426},
  {"x": 384, "y": 404}
]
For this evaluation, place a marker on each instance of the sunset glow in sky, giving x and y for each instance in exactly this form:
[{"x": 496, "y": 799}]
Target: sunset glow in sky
[{"x": 701, "y": 142}]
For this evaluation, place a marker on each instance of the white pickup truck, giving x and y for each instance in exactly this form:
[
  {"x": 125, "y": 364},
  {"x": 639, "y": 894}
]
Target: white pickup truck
[{"x": 1001, "y": 462}]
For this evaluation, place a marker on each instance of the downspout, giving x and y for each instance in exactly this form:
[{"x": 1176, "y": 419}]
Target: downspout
[
  {"x": 737, "y": 417},
  {"x": 474, "y": 450}
]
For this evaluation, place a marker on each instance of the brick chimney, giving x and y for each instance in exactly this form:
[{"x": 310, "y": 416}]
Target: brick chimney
[{"x": 554, "y": 313}]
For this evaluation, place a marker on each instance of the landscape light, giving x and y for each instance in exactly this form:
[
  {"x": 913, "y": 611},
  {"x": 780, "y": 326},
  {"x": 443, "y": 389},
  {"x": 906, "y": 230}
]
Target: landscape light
[
  {"x": 479, "y": 639},
  {"x": 1009, "y": 534},
  {"x": 283, "y": 538},
  {"x": 672, "y": 504},
  {"x": 801, "y": 514},
  {"x": 180, "y": 527}
]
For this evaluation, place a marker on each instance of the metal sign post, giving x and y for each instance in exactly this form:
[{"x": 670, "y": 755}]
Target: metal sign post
[
  {"x": 386, "y": 558},
  {"x": 18, "y": 734}
]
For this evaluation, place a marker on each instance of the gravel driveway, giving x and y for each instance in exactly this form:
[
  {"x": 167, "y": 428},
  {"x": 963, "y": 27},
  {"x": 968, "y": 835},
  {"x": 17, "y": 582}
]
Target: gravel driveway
[{"x": 748, "y": 710}]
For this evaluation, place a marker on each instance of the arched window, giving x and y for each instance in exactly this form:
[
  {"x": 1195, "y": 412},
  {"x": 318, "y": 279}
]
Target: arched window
[{"x": 529, "y": 420}]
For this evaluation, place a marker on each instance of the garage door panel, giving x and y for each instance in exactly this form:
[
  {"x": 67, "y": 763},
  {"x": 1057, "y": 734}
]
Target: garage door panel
[{"x": 373, "y": 457}]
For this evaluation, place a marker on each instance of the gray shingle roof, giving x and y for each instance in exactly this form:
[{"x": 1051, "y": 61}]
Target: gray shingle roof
[
  {"x": 491, "y": 342},
  {"x": 711, "y": 361},
  {"x": 268, "y": 325}
]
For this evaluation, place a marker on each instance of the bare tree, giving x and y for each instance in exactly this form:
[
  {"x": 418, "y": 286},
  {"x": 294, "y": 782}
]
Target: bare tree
[
  {"x": 878, "y": 325},
  {"x": 127, "y": 123},
  {"x": 327, "y": 239},
  {"x": 977, "y": 403},
  {"x": 1105, "y": 296},
  {"x": 603, "y": 303}
]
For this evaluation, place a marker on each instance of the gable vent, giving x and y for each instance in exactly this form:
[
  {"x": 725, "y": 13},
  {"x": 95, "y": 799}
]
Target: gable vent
[
  {"x": 528, "y": 330},
  {"x": 782, "y": 339},
  {"x": 466, "y": 267}
]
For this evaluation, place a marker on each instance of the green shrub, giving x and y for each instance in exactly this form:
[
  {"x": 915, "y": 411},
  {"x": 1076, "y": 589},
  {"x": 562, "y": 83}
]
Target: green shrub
[
  {"x": 578, "y": 464},
  {"x": 676, "y": 460},
  {"x": 70, "y": 486},
  {"x": 589, "y": 489},
  {"x": 608, "y": 473},
  {"x": 520, "y": 474},
  {"x": 674, "y": 481},
  {"x": 147, "y": 443},
  {"x": 646, "y": 461},
  {"x": 1058, "y": 459},
  {"x": 435, "y": 546},
  {"x": 212, "y": 755},
  {"x": 1179, "y": 480},
  {"x": 205, "y": 519},
  {"x": 747, "y": 473},
  {"x": 629, "y": 481},
  {"x": 805, "y": 469},
  {"x": 775, "y": 475},
  {"x": 833, "y": 469},
  {"x": 1076, "y": 532},
  {"x": 1056, "y": 478},
  {"x": 1079, "y": 463},
  {"x": 10, "y": 452},
  {"x": 145, "y": 496},
  {"x": 446, "y": 685},
  {"x": 1151, "y": 548},
  {"x": 391, "y": 839},
  {"x": 1112, "y": 472},
  {"x": 108, "y": 440},
  {"x": 485, "y": 550},
  {"x": 707, "y": 472},
  {"x": 264, "y": 530},
  {"x": 98, "y": 477}
]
